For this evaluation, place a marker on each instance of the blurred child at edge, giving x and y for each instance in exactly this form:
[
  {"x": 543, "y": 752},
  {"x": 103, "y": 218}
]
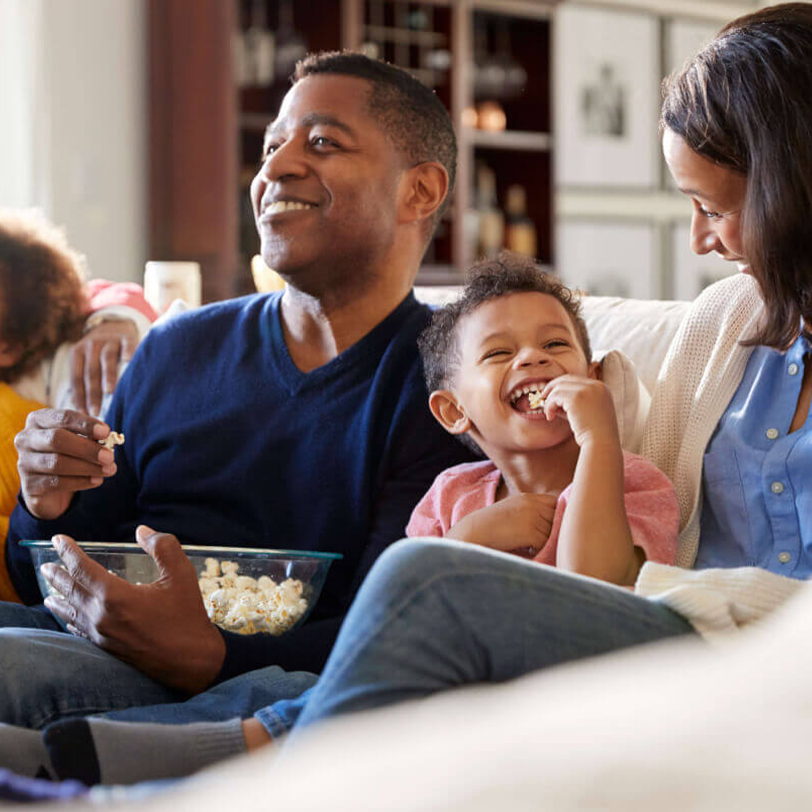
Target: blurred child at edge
[{"x": 47, "y": 338}]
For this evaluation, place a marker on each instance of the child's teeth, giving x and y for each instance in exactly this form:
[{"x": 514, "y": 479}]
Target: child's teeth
[{"x": 533, "y": 392}]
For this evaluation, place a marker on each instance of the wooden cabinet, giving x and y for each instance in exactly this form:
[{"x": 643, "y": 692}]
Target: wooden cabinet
[
  {"x": 193, "y": 162},
  {"x": 513, "y": 37},
  {"x": 207, "y": 124}
]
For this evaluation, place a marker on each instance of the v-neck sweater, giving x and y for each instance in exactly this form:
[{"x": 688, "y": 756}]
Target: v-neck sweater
[{"x": 229, "y": 443}]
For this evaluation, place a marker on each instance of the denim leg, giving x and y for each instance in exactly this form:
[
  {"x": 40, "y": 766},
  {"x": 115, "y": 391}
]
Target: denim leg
[
  {"x": 241, "y": 696},
  {"x": 279, "y": 718},
  {"x": 46, "y": 675},
  {"x": 50, "y": 675},
  {"x": 15, "y": 615},
  {"x": 435, "y": 614}
]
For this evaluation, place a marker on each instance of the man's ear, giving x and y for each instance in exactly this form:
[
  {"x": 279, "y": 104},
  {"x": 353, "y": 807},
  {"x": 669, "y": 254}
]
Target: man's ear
[
  {"x": 595, "y": 371},
  {"x": 425, "y": 187},
  {"x": 448, "y": 412},
  {"x": 9, "y": 354}
]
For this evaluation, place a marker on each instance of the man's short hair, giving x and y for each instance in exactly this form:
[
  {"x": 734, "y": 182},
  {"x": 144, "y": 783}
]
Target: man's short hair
[
  {"x": 409, "y": 114},
  {"x": 489, "y": 279}
]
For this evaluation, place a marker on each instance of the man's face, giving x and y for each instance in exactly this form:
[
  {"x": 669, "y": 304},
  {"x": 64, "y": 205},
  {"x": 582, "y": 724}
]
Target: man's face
[
  {"x": 508, "y": 345},
  {"x": 325, "y": 198}
]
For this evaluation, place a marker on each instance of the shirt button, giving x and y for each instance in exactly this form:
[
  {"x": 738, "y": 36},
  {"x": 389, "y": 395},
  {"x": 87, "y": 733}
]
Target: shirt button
[
  {"x": 772, "y": 434},
  {"x": 777, "y": 487},
  {"x": 792, "y": 369},
  {"x": 784, "y": 558}
]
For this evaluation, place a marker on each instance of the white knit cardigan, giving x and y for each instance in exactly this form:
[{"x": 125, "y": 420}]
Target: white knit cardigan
[{"x": 701, "y": 373}]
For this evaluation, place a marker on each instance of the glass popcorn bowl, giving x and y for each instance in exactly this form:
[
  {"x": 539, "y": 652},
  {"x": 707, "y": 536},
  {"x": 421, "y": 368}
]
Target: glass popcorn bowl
[{"x": 244, "y": 590}]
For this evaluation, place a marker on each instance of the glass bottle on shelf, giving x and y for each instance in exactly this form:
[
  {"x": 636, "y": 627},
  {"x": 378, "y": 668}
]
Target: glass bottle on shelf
[
  {"x": 290, "y": 44},
  {"x": 259, "y": 51},
  {"x": 491, "y": 221},
  {"x": 243, "y": 69},
  {"x": 520, "y": 232}
]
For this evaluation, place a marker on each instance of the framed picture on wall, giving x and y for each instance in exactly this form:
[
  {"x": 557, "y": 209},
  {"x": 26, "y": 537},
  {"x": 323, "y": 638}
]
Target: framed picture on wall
[
  {"x": 609, "y": 258},
  {"x": 692, "y": 273},
  {"x": 607, "y": 76}
]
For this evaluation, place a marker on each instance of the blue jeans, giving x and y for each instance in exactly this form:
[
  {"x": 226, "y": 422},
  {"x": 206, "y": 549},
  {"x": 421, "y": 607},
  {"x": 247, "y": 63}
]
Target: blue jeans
[
  {"x": 436, "y": 614},
  {"x": 47, "y": 674}
]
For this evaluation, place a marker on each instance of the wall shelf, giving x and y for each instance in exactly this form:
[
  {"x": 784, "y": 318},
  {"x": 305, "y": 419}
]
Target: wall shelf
[{"x": 512, "y": 140}]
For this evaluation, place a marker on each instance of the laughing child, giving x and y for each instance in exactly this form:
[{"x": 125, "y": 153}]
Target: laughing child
[{"x": 509, "y": 369}]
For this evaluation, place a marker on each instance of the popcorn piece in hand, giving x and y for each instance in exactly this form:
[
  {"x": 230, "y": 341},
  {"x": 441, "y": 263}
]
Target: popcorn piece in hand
[
  {"x": 112, "y": 440},
  {"x": 536, "y": 400}
]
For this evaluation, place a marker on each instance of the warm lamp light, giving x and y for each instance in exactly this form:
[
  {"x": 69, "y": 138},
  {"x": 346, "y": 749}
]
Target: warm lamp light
[
  {"x": 491, "y": 116},
  {"x": 470, "y": 117}
]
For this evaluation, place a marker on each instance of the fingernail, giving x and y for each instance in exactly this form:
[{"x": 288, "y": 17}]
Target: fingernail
[
  {"x": 101, "y": 430},
  {"x": 109, "y": 470},
  {"x": 47, "y": 570},
  {"x": 143, "y": 531},
  {"x": 96, "y": 480},
  {"x": 106, "y": 456}
]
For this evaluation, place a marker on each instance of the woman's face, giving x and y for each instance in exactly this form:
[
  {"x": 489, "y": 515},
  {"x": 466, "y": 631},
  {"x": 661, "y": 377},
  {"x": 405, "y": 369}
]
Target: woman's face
[{"x": 717, "y": 194}]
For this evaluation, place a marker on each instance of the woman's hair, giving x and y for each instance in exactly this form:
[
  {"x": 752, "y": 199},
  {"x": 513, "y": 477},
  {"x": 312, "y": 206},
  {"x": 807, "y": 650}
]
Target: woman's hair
[
  {"x": 745, "y": 102},
  {"x": 489, "y": 279},
  {"x": 42, "y": 299}
]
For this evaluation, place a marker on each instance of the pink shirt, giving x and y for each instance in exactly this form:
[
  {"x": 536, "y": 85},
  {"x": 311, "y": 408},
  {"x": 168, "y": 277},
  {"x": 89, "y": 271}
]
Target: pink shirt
[{"x": 651, "y": 506}]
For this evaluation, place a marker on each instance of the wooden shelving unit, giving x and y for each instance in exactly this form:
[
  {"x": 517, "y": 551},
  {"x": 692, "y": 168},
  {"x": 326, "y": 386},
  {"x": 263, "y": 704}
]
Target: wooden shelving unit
[
  {"x": 522, "y": 152},
  {"x": 515, "y": 140}
]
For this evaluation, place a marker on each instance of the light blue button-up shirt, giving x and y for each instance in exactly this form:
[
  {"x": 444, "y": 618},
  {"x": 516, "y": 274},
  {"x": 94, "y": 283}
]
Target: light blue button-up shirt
[{"x": 757, "y": 478}]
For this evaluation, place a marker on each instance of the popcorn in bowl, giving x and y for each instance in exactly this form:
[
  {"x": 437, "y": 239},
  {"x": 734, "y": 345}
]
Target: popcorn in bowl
[
  {"x": 246, "y": 605},
  {"x": 244, "y": 590}
]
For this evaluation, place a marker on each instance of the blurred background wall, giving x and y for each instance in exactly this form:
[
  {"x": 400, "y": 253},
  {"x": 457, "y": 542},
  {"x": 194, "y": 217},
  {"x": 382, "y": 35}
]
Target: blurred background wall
[
  {"x": 73, "y": 78},
  {"x": 137, "y": 125}
]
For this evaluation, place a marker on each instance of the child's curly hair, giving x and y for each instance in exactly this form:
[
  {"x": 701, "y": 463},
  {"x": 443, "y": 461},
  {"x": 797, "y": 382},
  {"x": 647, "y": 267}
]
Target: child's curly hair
[
  {"x": 42, "y": 298},
  {"x": 490, "y": 279}
]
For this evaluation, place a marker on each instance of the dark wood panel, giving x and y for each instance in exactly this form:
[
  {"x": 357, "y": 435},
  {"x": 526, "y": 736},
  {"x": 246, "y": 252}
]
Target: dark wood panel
[{"x": 193, "y": 139}]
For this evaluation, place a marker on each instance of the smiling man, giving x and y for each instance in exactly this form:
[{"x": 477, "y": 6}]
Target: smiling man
[{"x": 294, "y": 420}]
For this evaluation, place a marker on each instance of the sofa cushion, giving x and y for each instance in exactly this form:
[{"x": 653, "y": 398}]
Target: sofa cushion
[
  {"x": 641, "y": 329},
  {"x": 630, "y": 396}
]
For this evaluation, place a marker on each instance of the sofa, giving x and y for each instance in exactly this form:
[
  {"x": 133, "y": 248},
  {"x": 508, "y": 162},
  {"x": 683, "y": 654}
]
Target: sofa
[{"x": 670, "y": 726}]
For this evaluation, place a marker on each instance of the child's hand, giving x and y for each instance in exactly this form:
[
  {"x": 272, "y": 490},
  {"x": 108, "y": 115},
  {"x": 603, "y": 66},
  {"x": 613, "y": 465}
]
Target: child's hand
[
  {"x": 520, "y": 522},
  {"x": 587, "y": 404}
]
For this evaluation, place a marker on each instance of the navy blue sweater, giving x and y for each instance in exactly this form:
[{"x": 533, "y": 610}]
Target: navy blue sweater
[{"x": 228, "y": 443}]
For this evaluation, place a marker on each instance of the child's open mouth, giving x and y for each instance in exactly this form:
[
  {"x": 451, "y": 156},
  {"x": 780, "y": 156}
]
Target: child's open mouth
[{"x": 528, "y": 399}]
